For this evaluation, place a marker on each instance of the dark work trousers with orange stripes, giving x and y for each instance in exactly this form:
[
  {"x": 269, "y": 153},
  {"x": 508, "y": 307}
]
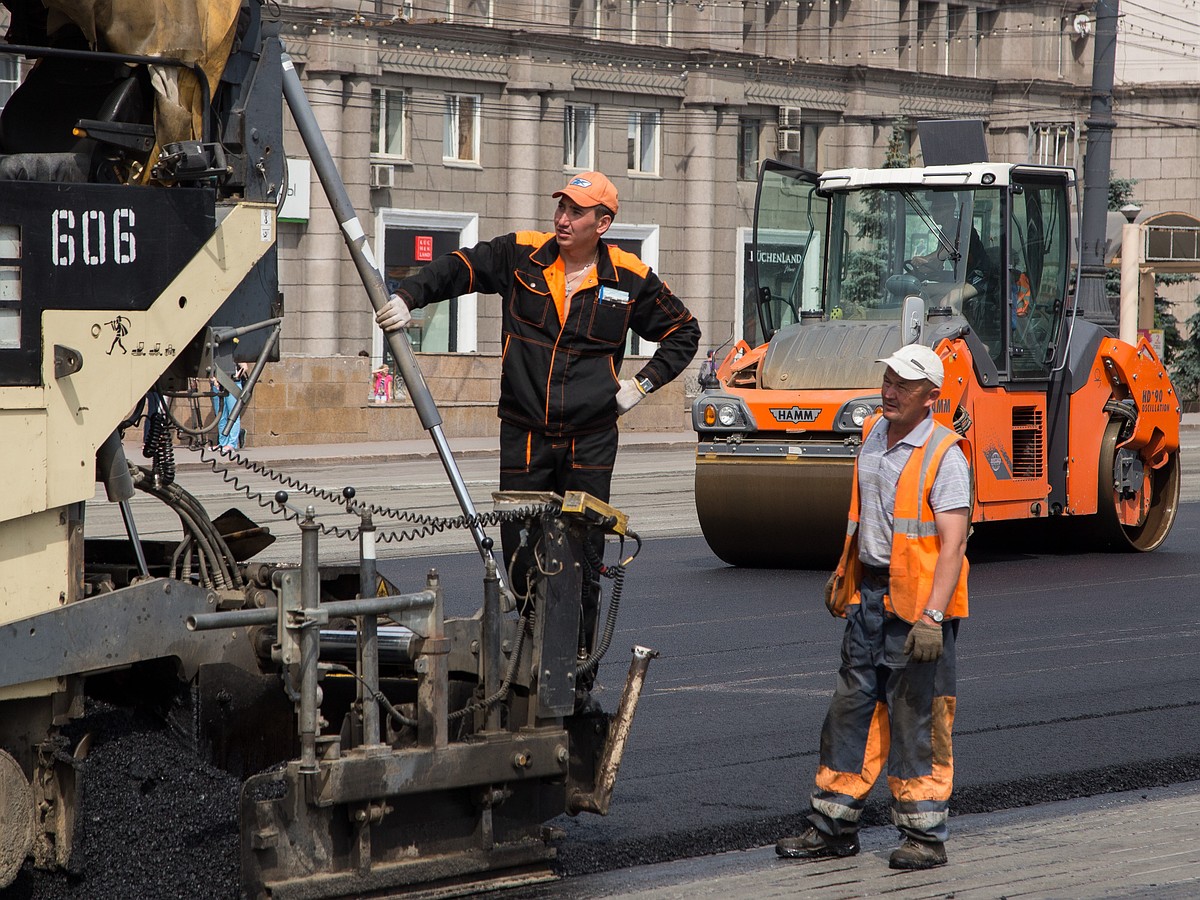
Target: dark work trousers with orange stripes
[
  {"x": 531, "y": 461},
  {"x": 887, "y": 710}
]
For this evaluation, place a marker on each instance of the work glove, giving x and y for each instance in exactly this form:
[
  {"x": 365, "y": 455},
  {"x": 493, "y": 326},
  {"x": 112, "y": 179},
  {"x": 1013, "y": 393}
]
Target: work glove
[
  {"x": 628, "y": 396},
  {"x": 833, "y": 598},
  {"x": 394, "y": 315},
  {"x": 924, "y": 642}
]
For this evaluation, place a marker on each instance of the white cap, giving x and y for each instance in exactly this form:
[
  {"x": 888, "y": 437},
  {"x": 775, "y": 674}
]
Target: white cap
[{"x": 915, "y": 362}]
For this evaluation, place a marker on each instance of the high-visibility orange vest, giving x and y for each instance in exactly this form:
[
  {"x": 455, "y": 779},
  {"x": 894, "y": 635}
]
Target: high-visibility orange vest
[{"x": 915, "y": 541}]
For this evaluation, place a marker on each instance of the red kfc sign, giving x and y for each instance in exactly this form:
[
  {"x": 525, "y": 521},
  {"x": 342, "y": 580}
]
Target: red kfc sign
[{"x": 423, "y": 247}]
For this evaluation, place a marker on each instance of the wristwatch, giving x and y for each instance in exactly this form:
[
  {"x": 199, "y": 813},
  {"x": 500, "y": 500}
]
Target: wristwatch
[
  {"x": 936, "y": 614},
  {"x": 645, "y": 385}
]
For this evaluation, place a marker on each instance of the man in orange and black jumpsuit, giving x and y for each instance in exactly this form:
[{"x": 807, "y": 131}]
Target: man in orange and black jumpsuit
[{"x": 570, "y": 300}]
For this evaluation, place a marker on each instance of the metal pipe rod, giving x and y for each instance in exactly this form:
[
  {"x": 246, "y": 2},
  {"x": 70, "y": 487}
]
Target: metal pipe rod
[
  {"x": 131, "y": 530},
  {"x": 618, "y": 735},
  {"x": 374, "y": 606},
  {"x": 492, "y": 658},
  {"x": 368, "y": 631},
  {"x": 243, "y": 398},
  {"x": 310, "y": 643},
  {"x": 364, "y": 261},
  {"x": 394, "y": 645}
]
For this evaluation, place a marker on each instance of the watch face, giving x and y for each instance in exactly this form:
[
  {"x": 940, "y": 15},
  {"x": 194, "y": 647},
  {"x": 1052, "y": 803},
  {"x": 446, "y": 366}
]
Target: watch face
[{"x": 934, "y": 614}]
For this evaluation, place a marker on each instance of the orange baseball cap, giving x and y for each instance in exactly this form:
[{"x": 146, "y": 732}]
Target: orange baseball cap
[{"x": 590, "y": 189}]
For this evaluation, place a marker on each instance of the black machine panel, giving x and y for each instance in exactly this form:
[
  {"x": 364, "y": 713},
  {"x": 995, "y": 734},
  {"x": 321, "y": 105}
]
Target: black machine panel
[{"x": 89, "y": 246}]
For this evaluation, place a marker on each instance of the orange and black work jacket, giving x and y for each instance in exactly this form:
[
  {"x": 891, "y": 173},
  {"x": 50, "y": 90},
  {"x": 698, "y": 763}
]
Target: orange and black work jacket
[
  {"x": 915, "y": 541},
  {"x": 560, "y": 362}
]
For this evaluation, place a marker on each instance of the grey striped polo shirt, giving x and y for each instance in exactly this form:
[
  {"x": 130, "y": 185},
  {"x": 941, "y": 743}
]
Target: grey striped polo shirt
[{"x": 878, "y": 474}]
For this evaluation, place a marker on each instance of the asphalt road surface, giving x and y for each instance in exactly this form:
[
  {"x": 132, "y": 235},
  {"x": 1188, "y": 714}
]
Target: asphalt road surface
[{"x": 1076, "y": 678}]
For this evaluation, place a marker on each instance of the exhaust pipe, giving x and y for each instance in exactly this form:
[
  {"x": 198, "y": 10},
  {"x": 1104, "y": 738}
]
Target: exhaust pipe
[{"x": 618, "y": 735}]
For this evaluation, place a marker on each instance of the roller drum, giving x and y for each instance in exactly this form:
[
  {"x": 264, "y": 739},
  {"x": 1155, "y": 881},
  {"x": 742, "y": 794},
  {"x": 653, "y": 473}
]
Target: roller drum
[{"x": 774, "y": 513}]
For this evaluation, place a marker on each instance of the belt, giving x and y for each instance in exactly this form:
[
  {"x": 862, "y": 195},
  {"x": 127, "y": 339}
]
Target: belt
[{"x": 876, "y": 575}]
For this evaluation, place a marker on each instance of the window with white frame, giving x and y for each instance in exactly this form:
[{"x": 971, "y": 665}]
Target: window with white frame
[
  {"x": 1052, "y": 143},
  {"x": 643, "y": 141},
  {"x": 10, "y": 77},
  {"x": 641, "y": 240},
  {"x": 579, "y": 130},
  {"x": 389, "y": 128},
  {"x": 408, "y": 239},
  {"x": 460, "y": 133}
]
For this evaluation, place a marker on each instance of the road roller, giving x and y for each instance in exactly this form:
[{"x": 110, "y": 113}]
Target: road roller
[
  {"x": 366, "y": 742},
  {"x": 1067, "y": 426}
]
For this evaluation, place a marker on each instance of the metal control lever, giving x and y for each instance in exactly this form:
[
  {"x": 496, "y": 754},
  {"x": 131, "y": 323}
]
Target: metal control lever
[{"x": 372, "y": 279}]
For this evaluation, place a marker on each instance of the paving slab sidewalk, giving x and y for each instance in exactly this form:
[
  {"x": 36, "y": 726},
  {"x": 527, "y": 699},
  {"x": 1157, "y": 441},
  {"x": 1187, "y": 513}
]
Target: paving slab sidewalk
[{"x": 1133, "y": 844}]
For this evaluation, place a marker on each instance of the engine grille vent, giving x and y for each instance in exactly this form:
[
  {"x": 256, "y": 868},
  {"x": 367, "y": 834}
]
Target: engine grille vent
[{"x": 1028, "y": 442}]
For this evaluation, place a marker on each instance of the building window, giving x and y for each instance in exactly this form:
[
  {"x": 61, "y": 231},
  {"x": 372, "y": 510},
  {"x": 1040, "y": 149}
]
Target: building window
[
  {"x": 1052, "y": 143},
  {"x": 643, "y": 142},
  {"x": 579, "y": 129},
  {"x": 461, "y": 133},
  {"x": 749, "y": 136},
  {"x": 479, "y": 12},
  {"x": 10, "y": 77},
  {"x": 389, "y": 129},
  {"x": 956, "y": 44},
  {"x": 926, "y": 35},
  {"x": 407, "y": 241}
]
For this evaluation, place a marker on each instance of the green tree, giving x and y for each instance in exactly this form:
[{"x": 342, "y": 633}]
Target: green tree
[
  {"x": 1184, "y": 362},
  {"x": 866, "y": 269}
]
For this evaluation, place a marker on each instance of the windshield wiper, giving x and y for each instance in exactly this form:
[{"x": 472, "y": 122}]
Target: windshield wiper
[{"x": 943, "y": 241}]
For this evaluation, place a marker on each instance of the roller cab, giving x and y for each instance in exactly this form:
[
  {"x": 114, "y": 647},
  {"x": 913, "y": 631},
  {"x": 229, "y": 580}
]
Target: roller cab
[{"x": 975, "y": 261}]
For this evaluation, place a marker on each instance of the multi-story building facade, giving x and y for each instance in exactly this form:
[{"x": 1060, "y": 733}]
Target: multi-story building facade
[{"x": 454, "y": 120}]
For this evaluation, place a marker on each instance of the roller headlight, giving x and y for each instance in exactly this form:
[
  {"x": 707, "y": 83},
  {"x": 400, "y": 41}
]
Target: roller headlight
[
  {"x": 854, "y": 414},
  {"x": 721, "y": 413}
]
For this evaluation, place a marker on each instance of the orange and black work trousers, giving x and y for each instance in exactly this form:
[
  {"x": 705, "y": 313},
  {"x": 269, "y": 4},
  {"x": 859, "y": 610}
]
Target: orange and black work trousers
[
  {"x": 531, "y": 461},
  {"x": 887, "y": 711}
]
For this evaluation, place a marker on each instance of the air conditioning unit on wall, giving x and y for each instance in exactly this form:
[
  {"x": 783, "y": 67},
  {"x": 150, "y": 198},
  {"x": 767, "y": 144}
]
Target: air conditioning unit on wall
[
  {"x": 789, "y": 117},
  {"x": 382, "y": 176},
  {"x": 789, "y": 140}
]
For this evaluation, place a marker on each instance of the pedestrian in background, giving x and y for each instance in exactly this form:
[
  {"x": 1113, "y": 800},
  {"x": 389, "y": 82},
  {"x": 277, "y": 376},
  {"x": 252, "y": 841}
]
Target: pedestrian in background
[
  {"x": 901, "y": 585},
  {"x": 223, "y": 403},
  {"x": 569, "y": 300}
]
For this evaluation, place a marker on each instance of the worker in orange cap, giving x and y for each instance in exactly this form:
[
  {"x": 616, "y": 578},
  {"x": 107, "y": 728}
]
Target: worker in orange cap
[{"x": 570, "y": 300}]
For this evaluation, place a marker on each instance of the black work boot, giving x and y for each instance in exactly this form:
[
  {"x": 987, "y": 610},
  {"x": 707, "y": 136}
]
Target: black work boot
[
  {"x": 814, "y": 844},
  {"x": 914, "y": 854}
]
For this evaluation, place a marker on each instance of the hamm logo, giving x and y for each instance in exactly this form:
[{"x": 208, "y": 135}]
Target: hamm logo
[{"x": 795, "y": 414}]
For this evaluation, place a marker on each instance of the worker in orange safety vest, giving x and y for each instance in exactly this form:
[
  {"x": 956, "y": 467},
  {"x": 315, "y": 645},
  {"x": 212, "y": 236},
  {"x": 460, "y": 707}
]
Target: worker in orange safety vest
[{"x": 901, "y": 585}]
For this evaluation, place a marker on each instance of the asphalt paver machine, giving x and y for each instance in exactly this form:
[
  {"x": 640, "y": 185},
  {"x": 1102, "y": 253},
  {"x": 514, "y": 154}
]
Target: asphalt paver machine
[{"x": 386, "y": 746}]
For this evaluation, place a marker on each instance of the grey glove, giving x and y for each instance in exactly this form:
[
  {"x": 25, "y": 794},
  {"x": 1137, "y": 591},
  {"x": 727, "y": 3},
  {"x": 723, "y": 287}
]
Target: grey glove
[
  {"x": 394, "y": 315},
  {"x": 628, "y": 396},
  {"x": 924, "y": 642},
  {"x": 833, "y": 599}
]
